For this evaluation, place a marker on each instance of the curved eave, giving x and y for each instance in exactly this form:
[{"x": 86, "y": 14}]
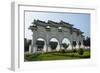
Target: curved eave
[{"x": 55, "y": 24}]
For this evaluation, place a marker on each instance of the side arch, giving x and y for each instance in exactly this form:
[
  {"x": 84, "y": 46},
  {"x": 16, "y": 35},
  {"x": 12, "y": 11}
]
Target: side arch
[{"x": 40, "y": 38}]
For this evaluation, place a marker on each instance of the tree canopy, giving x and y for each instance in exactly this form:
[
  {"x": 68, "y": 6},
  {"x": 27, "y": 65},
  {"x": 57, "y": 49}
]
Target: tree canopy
[
  {"x": 53, "y": 45},
  {"x": 86, "y": 42}
]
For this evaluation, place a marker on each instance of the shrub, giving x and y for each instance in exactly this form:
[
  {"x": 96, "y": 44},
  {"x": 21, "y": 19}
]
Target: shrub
[
  {"x": 65, "y": 45},
  {"x": 63, "y": 51},
  {"x": 72, "y": 55},
  {"x": 31, "y": 57},
  {"x": 81, "y": 51},
  {"x": 74, "y": 50}
]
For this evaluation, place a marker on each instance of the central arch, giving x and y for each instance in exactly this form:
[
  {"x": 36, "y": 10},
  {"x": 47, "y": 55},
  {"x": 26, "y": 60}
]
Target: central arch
[{"x": 58, "y": 44}]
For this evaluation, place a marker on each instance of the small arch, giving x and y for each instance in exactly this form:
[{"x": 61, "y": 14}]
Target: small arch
[
  {"x": 79, "y": 44},
  {"x": 74, "y": 44}
]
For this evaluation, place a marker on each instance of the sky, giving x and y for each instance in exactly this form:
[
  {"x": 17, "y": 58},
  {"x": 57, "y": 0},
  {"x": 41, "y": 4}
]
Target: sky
[{"x": 79, "y": 20}]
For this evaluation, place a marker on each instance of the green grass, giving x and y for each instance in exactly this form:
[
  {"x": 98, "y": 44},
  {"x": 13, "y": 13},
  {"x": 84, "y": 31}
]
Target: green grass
[{"x": 56, "y": 56}]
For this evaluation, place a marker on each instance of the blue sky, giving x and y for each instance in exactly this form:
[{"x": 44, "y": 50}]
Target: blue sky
[{"x": 79, "y": 20}]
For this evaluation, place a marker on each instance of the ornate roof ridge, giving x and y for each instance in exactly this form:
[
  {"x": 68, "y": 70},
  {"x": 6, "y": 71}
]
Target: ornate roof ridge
[
  {"x": 56, "y": 24},
  {"x": 63, "y": 22},
  {"x": 52, "y": 22}
]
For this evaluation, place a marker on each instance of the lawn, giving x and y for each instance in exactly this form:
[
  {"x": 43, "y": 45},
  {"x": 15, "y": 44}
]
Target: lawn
[{"x": 56, "y": 56}]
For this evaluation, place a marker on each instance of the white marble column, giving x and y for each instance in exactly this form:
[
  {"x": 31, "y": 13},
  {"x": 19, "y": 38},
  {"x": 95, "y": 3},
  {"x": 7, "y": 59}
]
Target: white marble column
[{"x": 33, "y": 45}]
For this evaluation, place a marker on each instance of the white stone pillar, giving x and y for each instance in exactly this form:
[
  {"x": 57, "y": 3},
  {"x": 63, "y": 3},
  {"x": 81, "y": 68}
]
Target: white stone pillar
[
  {"x": 33, "y": 45},
  {"x": 47, "y": 42},
  {"x": 60, "y": 44},
  {"x": 71, "y": 40}
]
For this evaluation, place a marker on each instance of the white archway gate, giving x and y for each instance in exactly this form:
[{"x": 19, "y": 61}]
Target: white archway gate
[{"x": 61, "y": 32}]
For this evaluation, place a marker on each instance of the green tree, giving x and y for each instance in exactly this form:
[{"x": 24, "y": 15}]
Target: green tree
[
  {"x": 81, "y": 51},
  {"x": 27, "y": 43},
  {"x": 65, "y": 45},
  {"x": 40, "y": 45},
  {"x": 86, "y": 42},
  {"x": 53, "y": 45}
]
